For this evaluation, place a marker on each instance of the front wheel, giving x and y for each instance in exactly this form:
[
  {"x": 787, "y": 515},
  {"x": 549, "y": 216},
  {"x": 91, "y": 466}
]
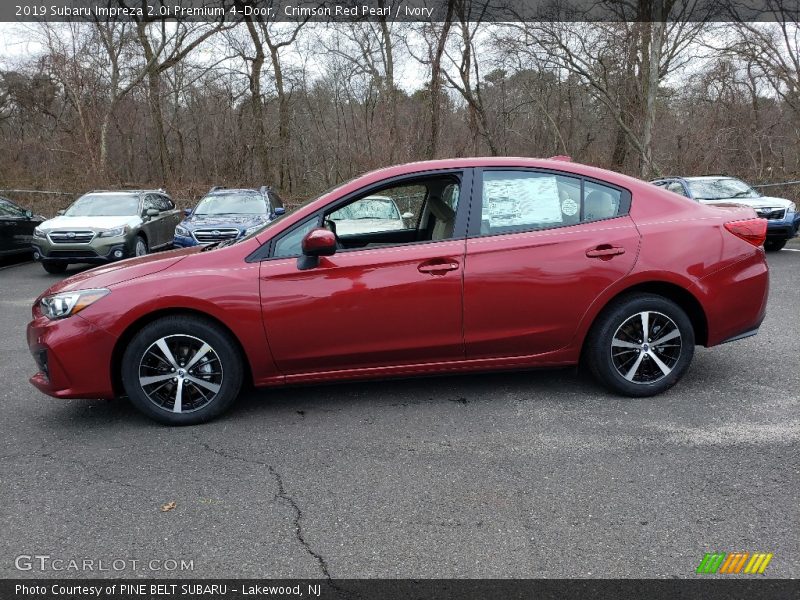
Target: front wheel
[
  {"x": 140, "y": 247},
  {"x": 774, "y": 245},
  {"x": 641, "y": 345},
  {"x": 182, "y": 370}
]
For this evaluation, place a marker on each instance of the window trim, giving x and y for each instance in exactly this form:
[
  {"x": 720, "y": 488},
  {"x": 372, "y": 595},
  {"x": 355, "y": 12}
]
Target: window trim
[
  {"x": 625, "y": 201},
  {"x": 464, "y": 175}
]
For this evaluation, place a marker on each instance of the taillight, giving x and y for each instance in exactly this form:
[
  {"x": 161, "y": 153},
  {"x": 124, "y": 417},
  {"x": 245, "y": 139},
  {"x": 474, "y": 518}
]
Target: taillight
[{"x": 750, "y": 230}]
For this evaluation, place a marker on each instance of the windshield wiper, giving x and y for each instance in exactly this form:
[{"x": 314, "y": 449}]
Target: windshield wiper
[{"x": 210, "y": 246}]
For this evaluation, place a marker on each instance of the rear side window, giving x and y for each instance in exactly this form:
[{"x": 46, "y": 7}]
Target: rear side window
[{"x": 522, "y": 201}]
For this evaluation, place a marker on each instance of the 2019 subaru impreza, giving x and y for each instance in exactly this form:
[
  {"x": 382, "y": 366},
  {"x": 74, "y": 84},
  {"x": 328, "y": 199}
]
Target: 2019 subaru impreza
[{"x": 506, "y": 263}]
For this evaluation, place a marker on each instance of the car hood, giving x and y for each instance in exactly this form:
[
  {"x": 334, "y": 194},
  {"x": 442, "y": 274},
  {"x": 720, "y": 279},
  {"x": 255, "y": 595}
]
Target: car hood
[
  {"x": 124, "y": 270},
  {"x": 763, "y": 202},
  {"x": 224, "y": 220},
  {"x": 64, "y": 222}
]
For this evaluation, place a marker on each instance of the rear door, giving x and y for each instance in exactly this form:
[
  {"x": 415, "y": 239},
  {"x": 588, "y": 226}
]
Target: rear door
[{"x": 542, "y": 246}]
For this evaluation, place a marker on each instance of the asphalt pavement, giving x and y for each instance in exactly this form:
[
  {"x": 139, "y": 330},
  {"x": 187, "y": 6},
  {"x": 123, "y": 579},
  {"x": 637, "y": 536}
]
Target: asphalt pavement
[{"x": 535, "y": 474}]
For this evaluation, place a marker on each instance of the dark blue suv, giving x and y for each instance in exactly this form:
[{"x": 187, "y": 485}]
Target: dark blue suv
[{"x": 228, "y": 214}]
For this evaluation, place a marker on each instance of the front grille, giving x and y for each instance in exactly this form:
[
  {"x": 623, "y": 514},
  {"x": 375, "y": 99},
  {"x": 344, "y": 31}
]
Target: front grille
[
  {"x": 208, "y": 236},
  {"x": 71, "y": 237},
  {"x": 771, "y": 213},
  {"x": 72, "y": 254}
]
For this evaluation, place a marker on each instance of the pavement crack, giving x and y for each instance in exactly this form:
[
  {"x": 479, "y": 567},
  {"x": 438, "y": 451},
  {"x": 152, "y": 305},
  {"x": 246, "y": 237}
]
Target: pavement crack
[{"x": 281, "y": 494}]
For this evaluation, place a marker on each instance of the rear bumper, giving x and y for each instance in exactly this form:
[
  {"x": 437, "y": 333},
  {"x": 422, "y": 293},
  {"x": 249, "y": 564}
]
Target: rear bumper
[
  {"x": 735, "y": 299},
  {"x": 784, "y": 229},
  {"x": 73, "y": 357}
]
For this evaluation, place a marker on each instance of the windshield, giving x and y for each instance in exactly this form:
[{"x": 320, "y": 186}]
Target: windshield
[
  {"x": 232, "y": 204},
  {"x": 104, "y": 205},
  {"x": 371, "y": 207},
  {"x": 721, "y": 189}
]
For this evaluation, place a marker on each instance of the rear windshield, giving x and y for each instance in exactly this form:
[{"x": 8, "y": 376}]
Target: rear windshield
[
  {"x": 232, "y": 204},
  {"x": 104, "y": 205}
]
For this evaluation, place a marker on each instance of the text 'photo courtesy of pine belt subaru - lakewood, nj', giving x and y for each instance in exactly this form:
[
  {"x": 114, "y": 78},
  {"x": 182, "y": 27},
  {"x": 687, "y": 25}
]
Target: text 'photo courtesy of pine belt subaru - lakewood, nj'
[
  {"x": 504, "y": 263},
  {"x": 226, "y": 214},
  {"x": 105, "y": 226}
]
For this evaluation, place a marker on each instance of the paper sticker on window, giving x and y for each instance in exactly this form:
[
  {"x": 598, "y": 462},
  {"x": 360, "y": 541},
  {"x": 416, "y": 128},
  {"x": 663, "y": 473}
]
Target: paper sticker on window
[{"x": 521, "y": 200}]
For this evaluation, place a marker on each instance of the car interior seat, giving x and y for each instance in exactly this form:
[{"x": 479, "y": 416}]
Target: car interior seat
[
  {"x": 598, "y": 205},
  {"x": 444, "y": 219}
]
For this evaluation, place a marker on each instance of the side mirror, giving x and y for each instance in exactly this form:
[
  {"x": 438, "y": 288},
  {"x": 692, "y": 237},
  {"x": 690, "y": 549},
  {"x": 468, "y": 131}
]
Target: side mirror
[
  {"x": 187, "y": 212},
  {"x": 28, "y": 214},
  {"x": 319, "y": 242},
  {"x": 61, "y": 212},
  {"x": 408, "y": 215},
  {"x": 152, "y": 212},
  {"x": 279, "y": 211}
]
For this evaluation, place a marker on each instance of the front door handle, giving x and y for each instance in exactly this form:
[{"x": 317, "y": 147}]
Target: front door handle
[
  {"x": 439, "y": 267},
  {"x": 605, "y": 251}
]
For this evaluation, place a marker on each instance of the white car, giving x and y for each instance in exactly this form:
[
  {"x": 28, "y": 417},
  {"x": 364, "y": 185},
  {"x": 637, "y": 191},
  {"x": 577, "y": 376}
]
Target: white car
[
  {"x": 781, "y": 214},
  {"x": 370, "y": 215}
]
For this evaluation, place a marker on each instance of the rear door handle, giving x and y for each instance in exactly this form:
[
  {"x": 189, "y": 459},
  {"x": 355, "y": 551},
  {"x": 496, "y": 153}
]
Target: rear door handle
[
  {"x": 439, "y": 267},
  {"x": 605, "y": 251}
]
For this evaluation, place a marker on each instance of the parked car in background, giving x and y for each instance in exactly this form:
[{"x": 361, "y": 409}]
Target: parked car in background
[
  {"x": 228, "y": 214},
  {"x": 16, "y": 228},
  {"x": 783, "y": 219},
  {"x": 104, "y": 226},
  {"x": 373, "y": 213},
  {"x": 582, "y": 264}
]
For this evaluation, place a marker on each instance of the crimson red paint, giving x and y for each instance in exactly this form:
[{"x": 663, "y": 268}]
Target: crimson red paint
[{"x": 475, "y": 302}]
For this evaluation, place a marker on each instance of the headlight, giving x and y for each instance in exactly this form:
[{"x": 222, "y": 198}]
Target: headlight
[
  {"x": 65, "y": 304},
  {"x": 39, "y": 233},
  {"x": 253, "y": 229},
  {"x": 116, "y": 232},
  {"x": 182, "y": 231}
]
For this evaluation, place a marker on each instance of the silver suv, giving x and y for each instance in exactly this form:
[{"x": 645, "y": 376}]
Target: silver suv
[{"x": 104, "y": 226}]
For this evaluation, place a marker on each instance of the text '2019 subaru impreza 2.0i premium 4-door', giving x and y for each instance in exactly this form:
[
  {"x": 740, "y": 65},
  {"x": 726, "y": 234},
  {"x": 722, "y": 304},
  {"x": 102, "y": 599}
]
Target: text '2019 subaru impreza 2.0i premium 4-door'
[
  {"x": 505, "y": 263},
  {"x": 102, "y": 226}
]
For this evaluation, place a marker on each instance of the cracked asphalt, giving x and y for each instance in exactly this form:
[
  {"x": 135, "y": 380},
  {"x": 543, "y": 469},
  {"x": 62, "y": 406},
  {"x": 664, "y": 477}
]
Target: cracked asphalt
[{"x": 537, "y": 474}]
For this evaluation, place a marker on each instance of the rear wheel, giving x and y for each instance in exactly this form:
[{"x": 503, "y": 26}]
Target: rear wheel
[
  {"x": 774, "y": 245},
  {"x": 182, "y": 370},
  {"x": 641, "y": 345},
  {"x": 54, "y": 268}
]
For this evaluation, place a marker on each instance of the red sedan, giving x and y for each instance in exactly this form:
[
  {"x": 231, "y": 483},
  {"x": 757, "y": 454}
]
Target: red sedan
[{"x": 502, "y": 263}]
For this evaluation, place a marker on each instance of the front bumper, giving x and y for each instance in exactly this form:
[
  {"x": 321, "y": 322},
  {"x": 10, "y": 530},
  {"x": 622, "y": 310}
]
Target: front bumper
[
  {"x": 100, "y": 250},
  {"x": 786, "y": 228},
  {"x": 184, "y": 241},
  {"x": 73, "y": 357}
]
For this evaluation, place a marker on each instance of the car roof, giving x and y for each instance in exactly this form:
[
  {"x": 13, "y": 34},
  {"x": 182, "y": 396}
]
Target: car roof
[{"x": 232, "y": 191}]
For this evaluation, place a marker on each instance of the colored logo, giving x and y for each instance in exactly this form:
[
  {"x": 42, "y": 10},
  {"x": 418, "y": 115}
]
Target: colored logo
[{"x": 734, "y": 562}]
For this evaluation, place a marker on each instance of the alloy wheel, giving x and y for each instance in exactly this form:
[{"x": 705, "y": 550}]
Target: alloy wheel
[
  {"x": 180, "y": 373},
  {"x": 646, "y": 347}
]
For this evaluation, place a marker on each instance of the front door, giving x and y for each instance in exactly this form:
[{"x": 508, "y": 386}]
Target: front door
[
  {"x": 392, "y": 293},
  {"x": 547, "y": 246}
]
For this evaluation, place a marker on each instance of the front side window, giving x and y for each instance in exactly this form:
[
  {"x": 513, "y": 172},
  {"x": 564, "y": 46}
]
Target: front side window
[
  {"x": 104, "y": 205},
  {"x": 290, "y": 243},
  {"x": 676, "y": 187},
  {"x": 10, "y": 210},
  {"x": 521, "y": 200}
]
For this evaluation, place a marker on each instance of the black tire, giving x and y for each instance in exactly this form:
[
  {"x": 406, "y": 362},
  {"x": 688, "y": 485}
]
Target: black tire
[
  {"x": 220, "y": 366},
  {"x": 54, "y": 268},
  {"x": 616, "y": 366},
  {"x": 774, "y": 245},
  {"x": 140, "y": 247}
]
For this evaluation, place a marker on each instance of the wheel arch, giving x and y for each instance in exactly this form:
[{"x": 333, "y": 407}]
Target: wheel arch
[
  {"x": 136, "y": 326},
  {"x": 678, "y": 294}
]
